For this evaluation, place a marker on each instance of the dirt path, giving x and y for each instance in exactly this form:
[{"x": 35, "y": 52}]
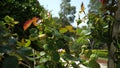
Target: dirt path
[{"x": 102, "y": 62}]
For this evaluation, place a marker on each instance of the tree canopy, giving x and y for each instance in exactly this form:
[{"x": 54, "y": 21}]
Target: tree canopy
[{"x": 67, "y": 12}]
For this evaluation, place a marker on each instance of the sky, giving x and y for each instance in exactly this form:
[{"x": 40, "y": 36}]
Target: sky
[{"x": 54, "y": 7}]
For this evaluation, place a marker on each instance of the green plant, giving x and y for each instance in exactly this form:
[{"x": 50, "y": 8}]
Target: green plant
[{"x": 39, "y": 48}]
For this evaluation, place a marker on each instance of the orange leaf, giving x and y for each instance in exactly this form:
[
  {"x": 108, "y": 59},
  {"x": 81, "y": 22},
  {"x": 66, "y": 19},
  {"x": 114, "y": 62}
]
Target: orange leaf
[
  {"x": 35, "y": 19},
  {"x": 27, "y": 24}
]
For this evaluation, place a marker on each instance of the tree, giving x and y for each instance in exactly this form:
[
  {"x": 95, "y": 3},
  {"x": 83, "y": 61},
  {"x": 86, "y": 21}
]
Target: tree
[
  {"x": 30, "y": 38},
  {"x": 114, "y": 48},
  {"x": 13, "y": 15},
  {"x": 22, "y": 11},
  {"x": 103, "y": 28},
  {"x": 96, "y": 23},
  {"x": 16, "y": 8},
  {"x": 94, "y": 6},
  {"x": 67, "y": 12}
]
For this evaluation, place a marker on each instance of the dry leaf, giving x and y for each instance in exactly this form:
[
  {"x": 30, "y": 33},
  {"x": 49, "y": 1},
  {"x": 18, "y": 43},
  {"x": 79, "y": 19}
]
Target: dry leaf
[
  {"x": 82, "y": 8},
  {"x": 27, "y": 24}
]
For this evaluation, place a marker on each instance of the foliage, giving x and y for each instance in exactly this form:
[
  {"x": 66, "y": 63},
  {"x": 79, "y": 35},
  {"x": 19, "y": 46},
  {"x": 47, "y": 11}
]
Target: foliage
[
  {"x": 42, "y": 43},
  {"x": 36, "y": 40},
  {"x": 101, "y": 53},
  {"x": 47, "y": 45},
  {"x": 102, "y": 21},
  {"x": 92, "y": 63},
  {"x": 20, "y": 11},
  {"x": 67, "y": 12}
]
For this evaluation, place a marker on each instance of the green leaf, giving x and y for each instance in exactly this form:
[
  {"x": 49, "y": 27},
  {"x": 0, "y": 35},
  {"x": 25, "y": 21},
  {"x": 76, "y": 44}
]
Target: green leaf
[
  {"x": 86, "y": 32},
  {"x": 69, "y": 57},
  {"x": 12, "y": 41},
  {"x": 33, "y": 37},
  {"x": 33, "y": 31},
  {"x": 42, "y": 53},
  {"x": 94, "y": 57},
  {"x": 10, "y": 62},
  {"x": 9, "y": 1},
  {"x": 79, "y": 21},
  {"x": 15, "y": 22},
  {"x": 93, "y": 64},
  {"x": 5, "y": 49},
  {"x": 47, "y": 47},
  {"x": 27, "y": 44},
  {"x": 25, "y": 51},
  {"x": 40, "y": 66},
  {"x": 57, "y": 33},
  {"x": 43, "y": 60},
  {"x": 75, "y": 65},
  {"x": 60, "y": 44},
  {"x": 55, "y": 56},
  {"x": 2, "y": 25},
  {"x": 79, "y": 31},
  {"x": 8, "y": 19},
  {"x": 63, "y": 30}
]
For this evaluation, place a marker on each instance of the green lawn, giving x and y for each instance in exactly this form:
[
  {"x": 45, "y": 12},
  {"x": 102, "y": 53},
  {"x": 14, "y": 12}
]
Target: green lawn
[{"x": 101, "y": 53}]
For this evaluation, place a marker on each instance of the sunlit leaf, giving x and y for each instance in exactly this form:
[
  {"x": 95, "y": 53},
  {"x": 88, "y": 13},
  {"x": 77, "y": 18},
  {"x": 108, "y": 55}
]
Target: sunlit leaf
[
  {"x": 63, "y": 30},
  {"x": 15, "y": 22},
  {"x": 42, "y": 36},
  {"x": 78, "y": 31},
  {"x": 21, "y": 43},
  {"x": 28, "y": 42},
  {"x": 72, "y": 30},
  {"x": 97, "y": 19},
  {"x": 86, "y": 32},
  {"x": 43, "y": 60},
  {"x": 8, "y": 19},
  {"x": 69, "y": 27},
  {"x": 42, "y": 53}
]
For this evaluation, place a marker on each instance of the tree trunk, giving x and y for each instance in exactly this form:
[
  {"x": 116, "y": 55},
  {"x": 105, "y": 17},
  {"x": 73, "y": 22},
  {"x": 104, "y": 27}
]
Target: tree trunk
[
  {"x": 117, "y": 16},
  {"x": 115, "y": 33},
  {"x": 111, "y": 51}
]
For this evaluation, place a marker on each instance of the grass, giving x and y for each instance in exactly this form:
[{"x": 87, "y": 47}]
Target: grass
[{"x": 101, "y": 53}]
